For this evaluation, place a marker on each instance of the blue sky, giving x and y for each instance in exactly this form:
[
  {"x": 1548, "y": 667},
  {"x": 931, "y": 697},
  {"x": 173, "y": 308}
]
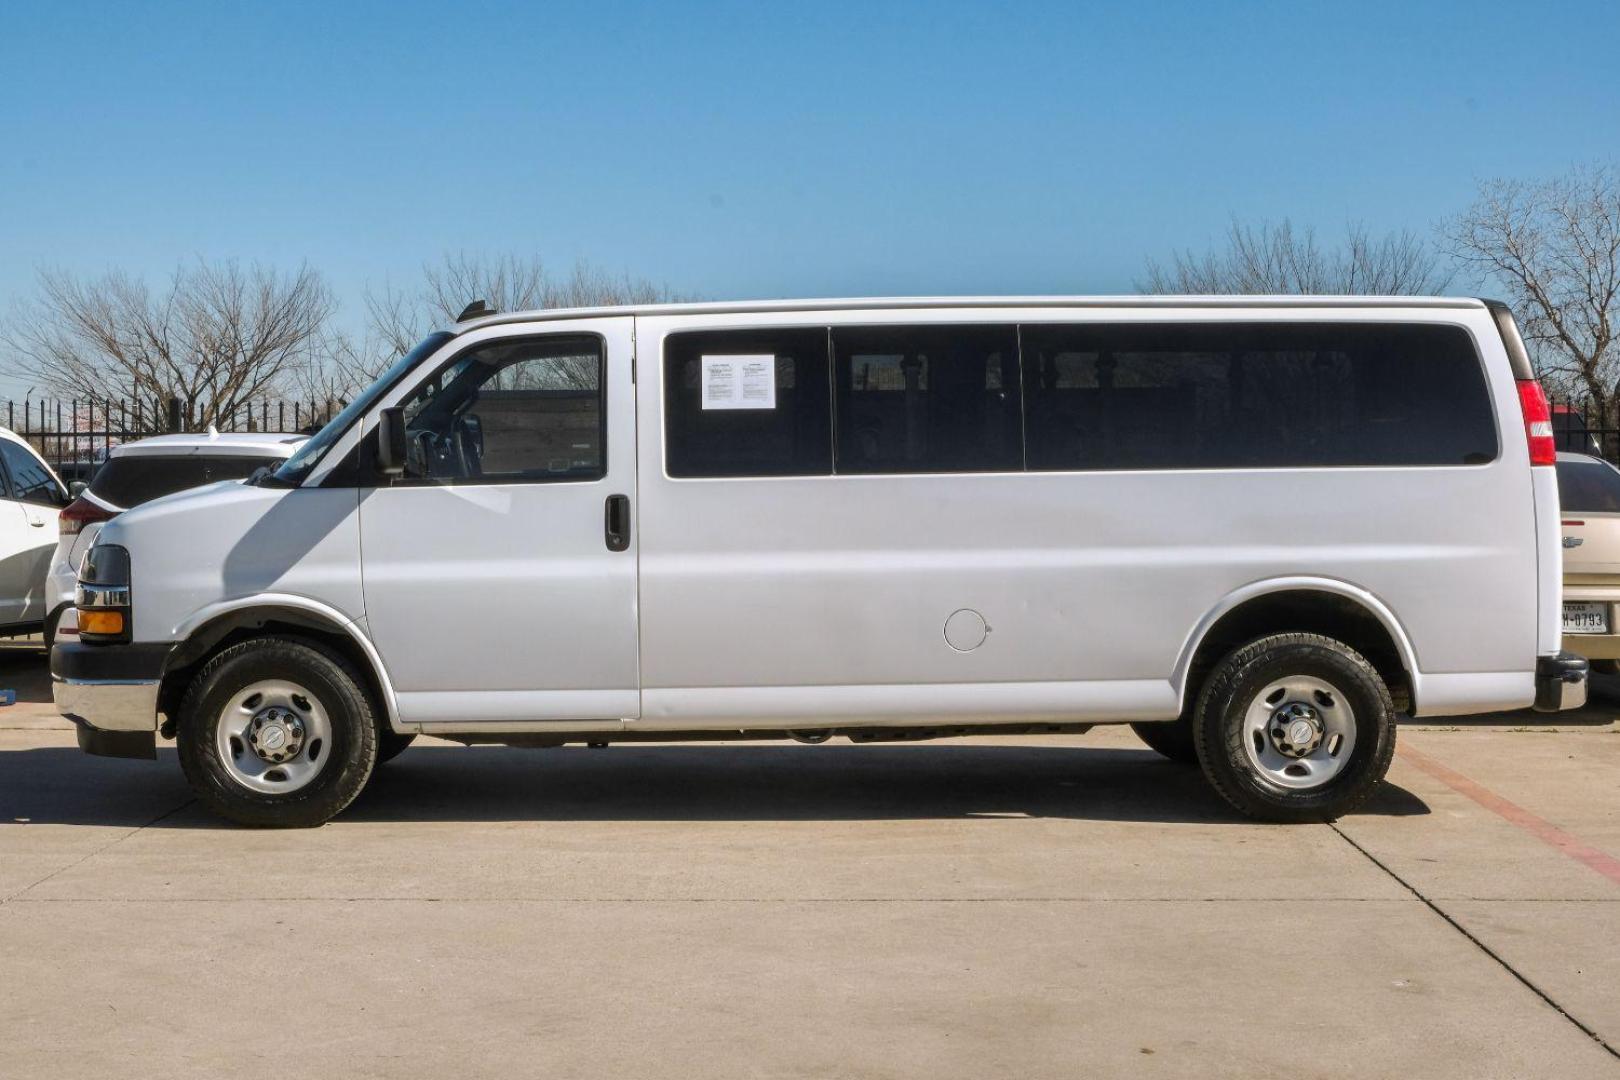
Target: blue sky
[{"x": 750, "y": 150}]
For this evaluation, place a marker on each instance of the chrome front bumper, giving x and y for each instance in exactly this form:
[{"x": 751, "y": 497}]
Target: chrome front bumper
[{"x": 108, "y": 704}]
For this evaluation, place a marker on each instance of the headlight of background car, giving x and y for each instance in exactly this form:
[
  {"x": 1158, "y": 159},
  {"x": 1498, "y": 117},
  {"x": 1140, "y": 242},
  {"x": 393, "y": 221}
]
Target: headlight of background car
[{"x": 102, "y": 596}]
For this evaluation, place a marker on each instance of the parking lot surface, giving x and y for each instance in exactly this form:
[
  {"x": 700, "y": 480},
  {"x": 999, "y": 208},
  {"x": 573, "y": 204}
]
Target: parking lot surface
[{"x": 990, "y": 907}]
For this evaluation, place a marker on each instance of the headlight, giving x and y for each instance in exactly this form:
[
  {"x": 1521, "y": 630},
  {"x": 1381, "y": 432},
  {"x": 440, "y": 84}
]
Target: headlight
[{"x": 102, "y": 596}]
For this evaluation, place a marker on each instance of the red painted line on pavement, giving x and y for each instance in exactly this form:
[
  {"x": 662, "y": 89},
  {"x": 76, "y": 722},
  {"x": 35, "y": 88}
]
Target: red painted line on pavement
[{"x": 1540, "y": 828}]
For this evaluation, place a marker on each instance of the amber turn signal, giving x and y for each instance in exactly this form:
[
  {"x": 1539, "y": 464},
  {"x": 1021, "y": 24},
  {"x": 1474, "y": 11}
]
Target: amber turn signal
[{"x": 101, "y": 622}]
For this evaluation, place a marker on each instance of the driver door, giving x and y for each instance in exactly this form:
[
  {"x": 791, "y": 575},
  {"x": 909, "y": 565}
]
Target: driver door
[{"x": 500, "y": 571}]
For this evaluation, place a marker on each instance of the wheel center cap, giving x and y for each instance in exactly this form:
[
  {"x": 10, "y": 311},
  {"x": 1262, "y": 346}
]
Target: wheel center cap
[
  {"x": 277, "y": 734},
  {"x": 1296, "y": 729}
]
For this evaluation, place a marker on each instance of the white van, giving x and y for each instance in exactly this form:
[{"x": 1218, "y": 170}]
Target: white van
[{"x": 1253, "y": 527}]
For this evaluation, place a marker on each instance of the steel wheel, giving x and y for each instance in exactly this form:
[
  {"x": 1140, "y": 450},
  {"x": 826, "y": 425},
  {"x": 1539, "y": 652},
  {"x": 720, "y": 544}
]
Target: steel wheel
[
  {"x": 273, "y": 736},
  {"x": 1298, "y": 732}
]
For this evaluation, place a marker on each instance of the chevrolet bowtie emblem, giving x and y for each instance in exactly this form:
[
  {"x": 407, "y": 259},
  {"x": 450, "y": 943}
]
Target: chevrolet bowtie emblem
[{"x": 1572, "y": 541}]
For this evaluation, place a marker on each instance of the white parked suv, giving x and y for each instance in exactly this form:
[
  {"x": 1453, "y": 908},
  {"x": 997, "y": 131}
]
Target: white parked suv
[
  {"x": 31, "y": 497},
  {"x": 146, "y": 469},
  {"x": 1255, "y": 528}
]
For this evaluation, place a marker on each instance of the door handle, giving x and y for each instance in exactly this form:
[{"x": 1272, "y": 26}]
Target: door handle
[{"x": 616, "y": 522}]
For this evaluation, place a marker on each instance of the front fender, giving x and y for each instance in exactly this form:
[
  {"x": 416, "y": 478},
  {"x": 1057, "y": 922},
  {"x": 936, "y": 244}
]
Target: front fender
[{"x": 205, "y": 628}]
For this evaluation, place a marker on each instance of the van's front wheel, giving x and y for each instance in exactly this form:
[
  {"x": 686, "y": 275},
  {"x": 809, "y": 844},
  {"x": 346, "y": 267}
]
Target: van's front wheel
[
  {"x": 274, "y": 732},
  {"x": 1295, "y": 727}
]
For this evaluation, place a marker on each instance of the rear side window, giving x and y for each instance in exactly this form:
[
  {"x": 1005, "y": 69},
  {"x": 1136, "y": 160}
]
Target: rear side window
[
  {"x": 927, "y": 399},
  {"x": 127, "y": 482},
  {"x": 1252, "y": 395},
  {"x": 1588, "y": 487},
  {"x": 747, "y": 403}
]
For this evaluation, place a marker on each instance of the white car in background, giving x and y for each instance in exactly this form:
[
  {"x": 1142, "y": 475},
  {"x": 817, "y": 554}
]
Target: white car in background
[
  {"x": 33, "y": 496},
  {"x": 138, "y": 472}
]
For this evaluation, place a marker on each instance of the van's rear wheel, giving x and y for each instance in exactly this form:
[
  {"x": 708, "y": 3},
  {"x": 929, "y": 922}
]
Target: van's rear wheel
[
  {"x": 1295, "y": 727},
  {"x": 1172, "y": 738},
  {"x": 274, "y": 732}
]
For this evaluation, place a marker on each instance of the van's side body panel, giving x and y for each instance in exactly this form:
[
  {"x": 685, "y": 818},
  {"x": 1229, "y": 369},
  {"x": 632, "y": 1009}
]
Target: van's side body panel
[{"x": 777, "y": 600}]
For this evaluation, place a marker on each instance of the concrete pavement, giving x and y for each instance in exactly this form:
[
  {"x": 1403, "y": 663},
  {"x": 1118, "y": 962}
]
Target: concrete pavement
[{"x": 1062, "y": 907}]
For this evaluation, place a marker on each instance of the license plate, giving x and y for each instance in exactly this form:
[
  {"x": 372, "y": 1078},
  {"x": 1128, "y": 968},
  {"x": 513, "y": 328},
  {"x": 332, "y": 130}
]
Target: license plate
[{"x": 1586, "y": 618}]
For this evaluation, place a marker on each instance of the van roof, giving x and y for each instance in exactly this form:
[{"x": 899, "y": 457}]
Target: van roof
[{"x": 931, "y": 302}]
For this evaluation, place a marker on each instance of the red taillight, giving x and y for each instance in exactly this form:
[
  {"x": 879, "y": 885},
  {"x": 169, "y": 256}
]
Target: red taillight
[
  {"x": 1538, "y": 429},
  {"x": 81, "y": 512}
]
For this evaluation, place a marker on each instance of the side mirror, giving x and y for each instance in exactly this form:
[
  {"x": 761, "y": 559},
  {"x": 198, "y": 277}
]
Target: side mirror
[
  {"x": 77, "y": 488},
  {"x": 391, "y": 442}
]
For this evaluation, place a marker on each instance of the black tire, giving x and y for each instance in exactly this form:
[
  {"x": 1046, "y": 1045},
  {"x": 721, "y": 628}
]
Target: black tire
[
  {"x": 340, "y": 693},
  {"x": 1173, "y": 739},
  {"x": 391, "y": 744},
  {"x": 1233, "y": 686},
  {"x": 52, "y": 621},
  {"x": 1606, "y": 667}
]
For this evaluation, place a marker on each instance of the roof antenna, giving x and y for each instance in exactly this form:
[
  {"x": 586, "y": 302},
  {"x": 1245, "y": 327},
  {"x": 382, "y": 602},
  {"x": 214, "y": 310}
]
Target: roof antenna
[{"x": 475, "y": 310}]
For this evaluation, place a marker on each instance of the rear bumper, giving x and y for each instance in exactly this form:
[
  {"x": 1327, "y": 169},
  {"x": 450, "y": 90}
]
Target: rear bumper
[
  {"x": 1560, "y": 682},
  {"x": 1595, "y": 646},
  {"x": 110, "y": 692}
]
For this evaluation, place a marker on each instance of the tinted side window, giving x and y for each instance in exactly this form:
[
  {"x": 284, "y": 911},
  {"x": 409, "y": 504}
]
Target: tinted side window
[
  {"x": 1588, "y": 487},
  {"x": 30, "y": 480},
  {"x": 511, "y": 411},
  {"x": 747, "y": 403},
  {"x": 128, "y": 481},
  {"x": 927, "y": 399},
  {"x": 1251, "y": 395}
]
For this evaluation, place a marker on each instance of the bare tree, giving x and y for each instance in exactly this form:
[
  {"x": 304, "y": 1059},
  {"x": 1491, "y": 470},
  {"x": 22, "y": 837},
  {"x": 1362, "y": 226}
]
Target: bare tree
[
  {"x": 217, "y": 337},
  {"x": 1554, "y": 247},
  {"x": 401, "y": 318},
  {"x": 333, "y": 372},
  {"x": 1277, "y": 259}
]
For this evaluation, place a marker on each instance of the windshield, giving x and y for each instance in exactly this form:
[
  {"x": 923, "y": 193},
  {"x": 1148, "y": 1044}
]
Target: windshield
[{"x": 296, "y": 468}]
